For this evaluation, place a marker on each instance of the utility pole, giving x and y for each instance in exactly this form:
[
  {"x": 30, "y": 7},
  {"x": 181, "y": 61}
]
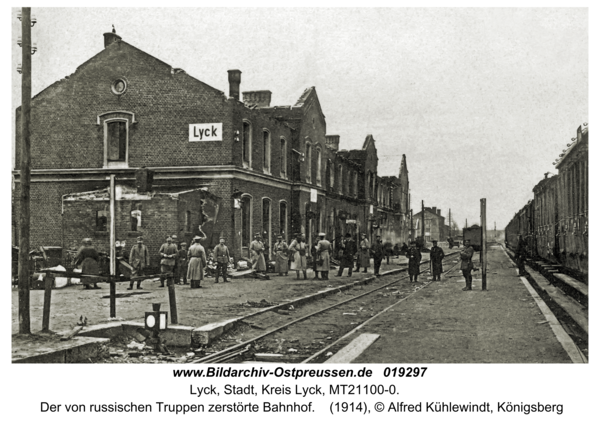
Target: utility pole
[
  {"x": 113, "y": 252},
  {"x": 25, "y": 174},
  {"x": 483, "y": 246},
  {"x": 450, "y": 221}
]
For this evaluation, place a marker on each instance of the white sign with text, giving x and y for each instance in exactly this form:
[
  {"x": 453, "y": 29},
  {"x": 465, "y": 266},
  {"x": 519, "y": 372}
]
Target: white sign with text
[{"x": 206, "y": 132}]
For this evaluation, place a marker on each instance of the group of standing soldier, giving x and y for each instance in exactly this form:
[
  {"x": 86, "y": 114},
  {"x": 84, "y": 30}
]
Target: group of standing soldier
[{"x": 190, "y": 263}]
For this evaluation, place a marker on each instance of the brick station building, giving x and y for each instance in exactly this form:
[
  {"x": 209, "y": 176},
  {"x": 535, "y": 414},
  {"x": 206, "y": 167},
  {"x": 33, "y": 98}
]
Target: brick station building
[{"x": 223, "y": 166}]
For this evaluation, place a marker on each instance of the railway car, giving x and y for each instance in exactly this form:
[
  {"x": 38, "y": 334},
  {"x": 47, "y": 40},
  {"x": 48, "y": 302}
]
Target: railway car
[
  {"x": 473, "y": 234},
  {"x": 572, "y": 213},
  {"x": 555, "y": 223}
]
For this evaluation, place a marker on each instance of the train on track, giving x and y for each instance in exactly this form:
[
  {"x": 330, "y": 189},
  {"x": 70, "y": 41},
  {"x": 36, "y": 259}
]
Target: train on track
[{"x": 554, "y": 225}]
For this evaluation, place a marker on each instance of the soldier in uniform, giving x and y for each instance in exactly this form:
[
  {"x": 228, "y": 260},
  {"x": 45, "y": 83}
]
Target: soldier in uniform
[
  {"x": 520, "y": 255},
  {"x": 388, "y": 248},
  {"x": 414, "y": 261},
  {"x": 435, "y": 256},
  {"x": 221, "y": 255},
  {"x": 364, "y": 258},
  {"x": 322, "y": 256},
  {"x": 197, "y": 261},
  {"x": 182, "y": 263},
  {"x": 466, "y": 265},
  {"x": 258, "y": 259},
  {"x": 378, "y": 253},
  {"x": 298, "y": 250},
  {"x": 348, "y": 248},
  {"x": 139, "y": 258},
  {"x": 168, "y": 254},
  {"x": 88, "y": 257},
  {"x": 281, "y": 256}
]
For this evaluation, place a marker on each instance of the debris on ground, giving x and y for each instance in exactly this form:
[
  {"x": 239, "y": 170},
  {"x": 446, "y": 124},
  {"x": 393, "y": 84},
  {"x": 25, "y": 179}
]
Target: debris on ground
[{"x": 261, "y": 304}]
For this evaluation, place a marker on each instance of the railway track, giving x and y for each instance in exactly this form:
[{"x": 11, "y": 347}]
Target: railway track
[{"x": 314, "y": 331}]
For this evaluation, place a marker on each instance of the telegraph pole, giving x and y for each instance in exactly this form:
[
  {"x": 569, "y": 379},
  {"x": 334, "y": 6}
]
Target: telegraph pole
[
  {"x": 483, "y": 246},
  {"x": 112, "y": 279},
  {"x": 412, "y": 228},
  {"x": 25, "y": 174}
]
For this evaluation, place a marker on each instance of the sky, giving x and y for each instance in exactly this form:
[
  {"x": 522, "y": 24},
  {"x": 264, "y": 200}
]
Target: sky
[{"x": 481, "y": 101}]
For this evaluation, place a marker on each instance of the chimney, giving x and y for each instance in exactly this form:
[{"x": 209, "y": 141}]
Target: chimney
[
  {"x": 257, "y": 98},
  {"x": 439, "y": 212},
  {"x": 434, "y": 210},
  {"x": 235, "y": 78},
  {"x": 333, "y": 142},
  {"x": 111, "y": 37}
]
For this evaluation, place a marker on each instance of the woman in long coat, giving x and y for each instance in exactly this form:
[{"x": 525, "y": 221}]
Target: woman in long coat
[
  {"x": 258, "y": 259},
  {"x": 281, "y": 256},
  {"x": 364, "y": 256},
  {"x": 197, "y": 261},
  {"x": 298, "y": 249},
  {"x": 322, "y": 256}
]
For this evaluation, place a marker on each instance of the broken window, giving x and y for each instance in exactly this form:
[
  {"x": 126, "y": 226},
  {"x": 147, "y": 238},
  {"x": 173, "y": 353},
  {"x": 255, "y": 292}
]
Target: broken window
[
  {"x": 101, "y": 220},
  {"x": 266, "y": 151},
  {"x": 246, "y": 143}
]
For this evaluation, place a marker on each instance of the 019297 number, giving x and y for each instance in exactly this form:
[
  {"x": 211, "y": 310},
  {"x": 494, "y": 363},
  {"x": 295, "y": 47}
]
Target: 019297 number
[{"x": 404, "y": 371}]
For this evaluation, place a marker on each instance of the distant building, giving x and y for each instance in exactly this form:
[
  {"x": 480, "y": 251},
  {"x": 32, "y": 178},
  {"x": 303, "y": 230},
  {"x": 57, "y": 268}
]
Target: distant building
[{"x": 435, "y": 227}]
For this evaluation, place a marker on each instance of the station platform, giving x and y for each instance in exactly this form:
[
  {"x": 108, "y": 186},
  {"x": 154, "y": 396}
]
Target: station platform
[{"x": 441, "y": 323}]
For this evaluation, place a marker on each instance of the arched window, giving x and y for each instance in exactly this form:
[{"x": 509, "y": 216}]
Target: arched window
[
  {"x": 246, "y": 204},
  {"x": 355, "y": 183},
  {"x": 266, "y": 151},
  {"x": 247, "y": 144},
  {"x": 283, "y": 158},
  {"x": 331, "y": 170},
  {"x": 283, "y": 219},
  {"x": 266, "y": 222},
  {"x": 340, "y": 178},
  {"x": 318, "y": 166},
  {"x": 308, "y": 158}
]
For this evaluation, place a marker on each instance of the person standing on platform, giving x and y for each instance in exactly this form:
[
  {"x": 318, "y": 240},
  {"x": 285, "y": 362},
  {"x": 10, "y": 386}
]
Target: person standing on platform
[
  {"x": 139, "y": 259},
  {"x": 221, "y": 255},
  {"x": 435, "y": 258},
  {"x": 323, "y": 251},
  {"x": 88, "y": 257},
  {"x": 313, "y": 253},
  {"x": 168, "y": 254},
  {"x": 281, "y": 256},
  {"x": 520, "y": 255},
  {"x": 348, "y": 250},
  {"x": 364, "y": 257},
  {"x": 258, "y": 259},
  {"x": 298, "y": 250},
  {"x": 197, "y": 262},
  {"x": 378, "y": 253},
  {"x": 466, "y": 265},
  {"x": 414, "y": 261},
  {"x": 183, "y": 262},
  {"x": 388, "y": 249}
]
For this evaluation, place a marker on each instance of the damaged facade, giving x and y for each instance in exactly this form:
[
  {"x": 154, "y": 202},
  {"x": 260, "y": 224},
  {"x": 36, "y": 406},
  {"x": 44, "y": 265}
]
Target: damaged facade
[{"x": 222, "y": 165}]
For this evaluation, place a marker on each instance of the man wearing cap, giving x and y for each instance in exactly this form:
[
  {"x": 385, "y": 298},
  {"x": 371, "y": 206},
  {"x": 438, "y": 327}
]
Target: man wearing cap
[
  {"x": 435, "y": 258},
  {"x": 364, "y": 258},
  {"x": 221, "y": 255},
  {"x": 377, "y": 254},
  {"x": 139, "y": 258},
  {"x": 168, "y": 254},
  {"x": 182, "y": 263},
  {"x": 348, "y": 248},
  {"x": 88, "y": 257},
  {"x": 414, "y": 261},
  {"x": 281, "y": 256},
  {"x": 466, "y": 265},
  {"x": 257, "y": 249},
  {"x": 197, "y": 262},
  {"x": 322, "y": 256}
]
